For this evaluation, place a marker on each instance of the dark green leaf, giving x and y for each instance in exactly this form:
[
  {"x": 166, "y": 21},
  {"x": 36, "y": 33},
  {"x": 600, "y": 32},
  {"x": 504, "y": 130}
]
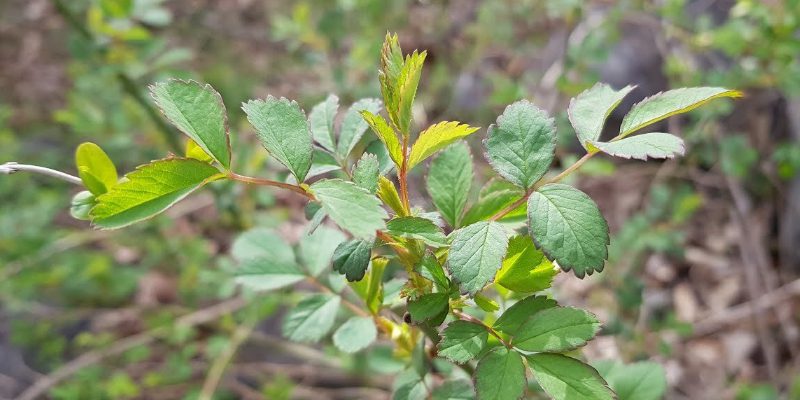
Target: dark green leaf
[
  {"x": 476, "y": 253},
  {"x": 428, "y": 306},
  {"x": 432, "y": 270},
  {"x": 500, "y": 375},
  {"x": 519, "y": 313},
  {"x": 351, "y": 259},
  {"x": 522, "y": 144},
  {"x": 565, "y": 378},
  {"x": 567, "y": 225},
  {"x": 556, "y": 329},
  {"x": 449, "y": 181},
  {"x": 462, "y": 341}
]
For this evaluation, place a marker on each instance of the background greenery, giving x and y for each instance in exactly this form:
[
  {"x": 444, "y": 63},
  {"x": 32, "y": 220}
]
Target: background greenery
[{"x": 704, "y": 261}]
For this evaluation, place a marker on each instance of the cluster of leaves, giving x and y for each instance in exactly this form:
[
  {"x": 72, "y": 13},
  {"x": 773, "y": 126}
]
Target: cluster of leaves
[{"x": 440, "y": 264}]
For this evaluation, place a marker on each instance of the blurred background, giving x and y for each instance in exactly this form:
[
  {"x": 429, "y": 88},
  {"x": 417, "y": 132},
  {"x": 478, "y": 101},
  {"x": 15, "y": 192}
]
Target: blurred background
[{"x": 705, "y": 253}]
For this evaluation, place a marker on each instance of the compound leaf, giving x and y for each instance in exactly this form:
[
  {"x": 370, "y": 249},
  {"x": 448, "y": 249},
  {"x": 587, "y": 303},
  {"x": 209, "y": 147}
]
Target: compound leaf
[
  {"x": 435, "y": 138},
  {"x": 565, "y": 378},
  {"x": 653, "y": 145},
  {"x": 449, "y": 181},
  {"x": 95, "y": 169},
  {"x": 311, "y": 319},
  {"x": 521, "y": 146},
  {"x": 149, "y": 190},
  {"x": 590, "y": 109},
  {"x": 500, "y": 375},
  {"x": 669, "y": 103},
  {"x": 567, "y": 225},
  {"x": 476, "y": 253},
  {"x": 282, "y": 128},
  {"x": 462, "y": 341},
  {"x": 351, "y": 207},
  {"x": 198, "y": 111},
  {"x": 525, "y": 268},
  {"x": 356, "y": 334},
  {"x": 351, "y": 259},
  {"x": 321, "y": 120},
  {"x": 556, "y": 329}
]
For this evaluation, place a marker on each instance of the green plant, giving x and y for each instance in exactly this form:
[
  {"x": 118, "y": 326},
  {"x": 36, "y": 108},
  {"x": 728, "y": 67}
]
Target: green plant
[{"x": 453, "y": 286}]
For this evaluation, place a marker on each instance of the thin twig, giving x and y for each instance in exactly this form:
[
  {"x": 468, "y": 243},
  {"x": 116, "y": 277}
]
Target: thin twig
[
  {"x": 269, "y": 182},
  {"x": 12, "y": 167}
]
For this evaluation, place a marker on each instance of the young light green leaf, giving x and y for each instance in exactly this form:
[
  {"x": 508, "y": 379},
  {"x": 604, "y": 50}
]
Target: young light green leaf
[
  {"x": 494, "y": 196},
  {"x": 356, "y": 334},
  {"x": 590, "y": 109},
  {"x": 353, "y": 125},
  {"x": 449, "y": 181},
  {"x": 521, "y": 146},
  {"x": 462, "y": 341},
  {"x": 95, "y": 169},
  {"x": 435, "y": 138},
  {"x": 81, "y": 205},
  {"x": 386, "y": 134},
  {"x": 459, "y": 389},
  {"x": 567, "y": 225},
  {"x": 317, "y": 249},
  {"x": 428, "y": 306},
  {"x": 388, "y": 193},
  {"x": 193, "y": 150},
  {"x": 669, "y": 103},
  {"x": 638, "y": 381},
  {"x": 389, "y": 75},
  {"x": 500, "y": 375},
  {"x": 653, "y": 145},
  {"x": 351, "y": 259},
  {"x": 198, "y": 111},
  {"x": 351, "y": 207},
  {"x": 312, "y": 318},
  {"x": 407, "y": 84},
  {"x": 282, "y": 128},
  {"x": 556, "y": 329},
  {"x": 417, "y": 228},
  {"x": 266, "y": 261},
  {"x": 519, "y": 313},
  {"x": 321, "y": 120},
  {"x": 525, "y": 268},
  {"x": 476, "y": 253},
  {"x": 565, "y": 378},
  {"x": 365, "y": 174},
  {"x": 149, "y": 190}
]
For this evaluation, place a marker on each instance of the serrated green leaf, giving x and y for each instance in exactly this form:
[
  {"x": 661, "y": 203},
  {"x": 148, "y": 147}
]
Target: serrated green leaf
[
  {"x": 556, "y": 329},
  {"x": 525, "y": 268},
  {"x": 567, "y": 225},
  {"x": 565, "y": 378},
  {"x": 365, "y": 174},
  {"x": 386, "y": 134},
  {"x": 458, "y": 389},
  {"x": 653, "y": 145},
  {"x": 638, "y": 381},
  {"x": 321, "y": 120},
  {"x": 432, "y": 270},
  {"x": 435, "y": 138},
  {"x": 351, "y": 259},
  {"x": 311, "y": 319},
  {"x": 500, "y": 375},
  {"x": 449, "y": 181},
  {"x": 521, "y": 146},
  {"x": 198, "y": 111},
  {"x": 417, "y": 228},
  {"x": 95, "y": 169},
  {"x": 428, "y": 306},
  {"x": 353, "y": 125},
  {"x": 388, "y": 193},
  {"x": 590, "y": 109},
  {"x": 669, "y": 103},
  {"x": 149, "y": 190},
  {"x": 193, "y": 150},
  {"x": 352, "y": 208},
  {"x": 462, "y": 341},
  {"x": 494, "y": 196},
  {"x": 356, "y": 334},
  {"x": 476, "y": 253},
  {"x": 282, "y": 128},
  {"x": 316, "y": 250},
  {"x": 81, "y": 205},
  {"x": 519, "y": 313}
]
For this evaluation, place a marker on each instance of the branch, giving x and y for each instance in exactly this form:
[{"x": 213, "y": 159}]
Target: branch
[
  {"x": 268, "y": 182},
  {"x": 12, "y": 167}
]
